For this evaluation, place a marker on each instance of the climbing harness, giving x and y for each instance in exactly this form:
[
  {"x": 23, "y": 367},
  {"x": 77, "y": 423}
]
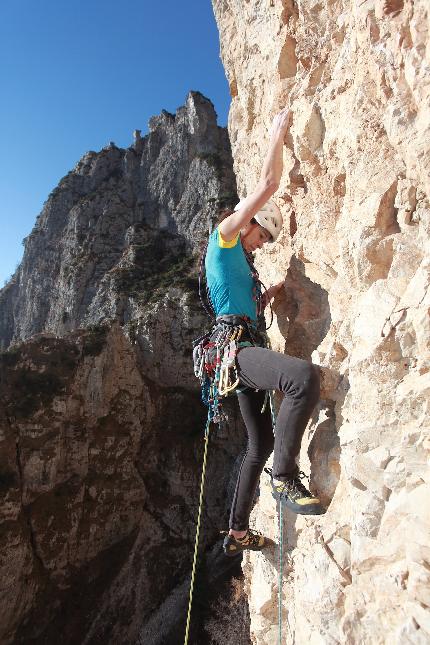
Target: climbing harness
[{"x": 214, "y": 358}]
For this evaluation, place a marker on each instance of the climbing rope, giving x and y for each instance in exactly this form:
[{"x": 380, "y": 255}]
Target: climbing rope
[{"x": 199, "y": 515}]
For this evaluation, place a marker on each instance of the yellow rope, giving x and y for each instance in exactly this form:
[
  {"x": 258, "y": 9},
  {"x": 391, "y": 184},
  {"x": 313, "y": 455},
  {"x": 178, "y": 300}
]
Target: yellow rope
[{"x": 196, "y": 543}]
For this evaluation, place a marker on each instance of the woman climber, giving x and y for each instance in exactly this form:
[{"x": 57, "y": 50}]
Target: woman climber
[{"x": 237, "y": 302}]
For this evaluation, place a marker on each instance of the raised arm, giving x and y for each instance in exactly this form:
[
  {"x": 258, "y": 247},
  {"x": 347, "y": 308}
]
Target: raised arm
[{"x": 268, "y": 184}]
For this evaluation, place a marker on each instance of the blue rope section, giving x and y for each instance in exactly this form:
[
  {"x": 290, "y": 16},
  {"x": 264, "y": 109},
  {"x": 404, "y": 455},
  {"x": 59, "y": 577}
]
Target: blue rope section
[
  {"x": 280, "y": 538},
  {"x": 281, "y": 566}
]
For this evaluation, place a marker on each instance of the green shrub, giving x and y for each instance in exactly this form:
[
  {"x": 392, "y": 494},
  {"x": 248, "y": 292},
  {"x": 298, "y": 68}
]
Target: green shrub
[
  {"x": 8, "y": 480},
  {"x": 159, "y": 263},
  {"x": 10, "y": 356},
  {"x": 213, "y": 159},
  {"x": 36, "y": 390},
  {"x": 94, "y": 339}
]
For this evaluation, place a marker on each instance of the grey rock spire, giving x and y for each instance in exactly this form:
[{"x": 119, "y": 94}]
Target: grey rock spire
[{"x": 115, "y": 222}]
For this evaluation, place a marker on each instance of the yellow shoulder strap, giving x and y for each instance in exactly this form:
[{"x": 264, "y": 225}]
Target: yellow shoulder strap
[{"x": 227, "y": 245}]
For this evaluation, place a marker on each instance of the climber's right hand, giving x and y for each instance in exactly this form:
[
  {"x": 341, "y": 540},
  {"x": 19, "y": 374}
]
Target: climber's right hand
[{"x": 281, "y": 123}]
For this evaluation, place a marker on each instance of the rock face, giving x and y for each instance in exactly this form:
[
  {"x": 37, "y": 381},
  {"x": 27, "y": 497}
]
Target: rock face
[
  {"x": 355, "y": 256},
  {"x": 119, "y": 228},
  {"x": 99, "y": 485},
  {"x": 101, "y": 422}
]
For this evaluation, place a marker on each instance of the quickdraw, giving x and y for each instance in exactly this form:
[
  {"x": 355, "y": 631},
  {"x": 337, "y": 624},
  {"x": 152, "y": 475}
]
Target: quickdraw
[
  {"x": 214, "y": 357},
  {"x": 226, "y": 384}
]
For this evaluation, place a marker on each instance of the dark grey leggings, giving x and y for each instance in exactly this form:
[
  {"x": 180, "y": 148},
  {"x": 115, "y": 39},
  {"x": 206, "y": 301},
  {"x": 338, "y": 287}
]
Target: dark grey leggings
[{"x": 264, "y": 369}]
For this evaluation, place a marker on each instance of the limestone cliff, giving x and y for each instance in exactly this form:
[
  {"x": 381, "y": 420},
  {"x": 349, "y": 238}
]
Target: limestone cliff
[
  {"x": 355, "y": 256},
  {"x": 99, "y": 488},
  {"x": 101, "y": 421}
]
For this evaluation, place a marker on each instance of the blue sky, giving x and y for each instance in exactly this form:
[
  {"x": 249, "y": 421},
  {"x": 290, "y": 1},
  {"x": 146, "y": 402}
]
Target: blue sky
[{"x": 76, "y": 75}]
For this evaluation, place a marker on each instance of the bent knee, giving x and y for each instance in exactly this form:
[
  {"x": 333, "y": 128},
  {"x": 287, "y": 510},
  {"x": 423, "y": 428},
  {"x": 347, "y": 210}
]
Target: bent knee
[
  {"x": 314, "y": 377},
  {"x": 309, "y": 380},
  {"x": 312, "y": 382}
]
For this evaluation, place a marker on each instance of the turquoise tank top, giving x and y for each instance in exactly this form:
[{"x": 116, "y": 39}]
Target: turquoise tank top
[{"x": 229, "y": 278}]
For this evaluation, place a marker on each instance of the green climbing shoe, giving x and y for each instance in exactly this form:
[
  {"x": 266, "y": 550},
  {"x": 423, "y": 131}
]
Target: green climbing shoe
[
  {"x": 253, "y": 540},
  {"x": 294, "y": 495}
]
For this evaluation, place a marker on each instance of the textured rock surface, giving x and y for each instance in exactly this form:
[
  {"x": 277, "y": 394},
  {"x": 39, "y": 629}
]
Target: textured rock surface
[
  {"x": 355, "y": 254},
  {"x": 99, "y": 489}
]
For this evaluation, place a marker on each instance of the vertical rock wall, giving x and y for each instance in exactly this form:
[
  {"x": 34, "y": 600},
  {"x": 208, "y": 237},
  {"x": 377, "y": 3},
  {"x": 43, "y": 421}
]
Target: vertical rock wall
[{"x": 355, "y": 255}]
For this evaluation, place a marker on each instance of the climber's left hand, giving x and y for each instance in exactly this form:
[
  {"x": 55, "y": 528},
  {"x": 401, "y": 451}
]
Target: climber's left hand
[{"x": 271, "y": 293}]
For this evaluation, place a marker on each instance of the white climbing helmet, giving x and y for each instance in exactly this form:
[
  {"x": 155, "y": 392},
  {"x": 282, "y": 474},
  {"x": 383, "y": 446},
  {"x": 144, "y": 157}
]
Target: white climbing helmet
[{"x": 269, "y": 217}]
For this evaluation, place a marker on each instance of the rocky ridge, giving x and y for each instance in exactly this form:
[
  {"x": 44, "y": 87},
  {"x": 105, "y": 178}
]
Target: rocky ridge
[
  {"x": 355, "y": 257},
  {"x": 119, "y": 229}
]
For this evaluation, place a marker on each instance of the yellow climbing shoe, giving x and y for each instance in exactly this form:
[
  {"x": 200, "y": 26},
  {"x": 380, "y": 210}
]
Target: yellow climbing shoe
[
  {"x": 253, "y": 540},
  {"x": 294, "y": 495}
]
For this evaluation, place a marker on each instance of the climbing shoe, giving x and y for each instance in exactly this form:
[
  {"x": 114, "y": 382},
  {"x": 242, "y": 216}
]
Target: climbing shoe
[
  {"x": 253, "y": 540},
  {"x": 294, "y": 495}
]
